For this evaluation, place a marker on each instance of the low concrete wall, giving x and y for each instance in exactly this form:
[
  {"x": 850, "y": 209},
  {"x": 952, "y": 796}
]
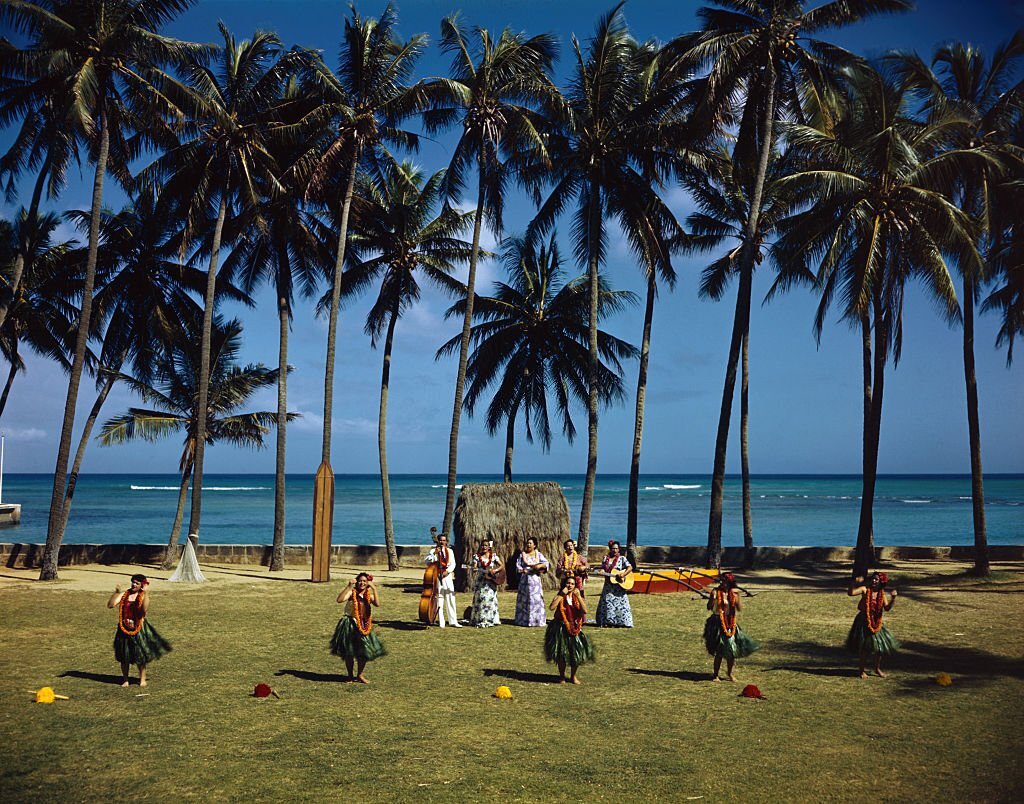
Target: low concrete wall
[{"x": 374, "y": 555}]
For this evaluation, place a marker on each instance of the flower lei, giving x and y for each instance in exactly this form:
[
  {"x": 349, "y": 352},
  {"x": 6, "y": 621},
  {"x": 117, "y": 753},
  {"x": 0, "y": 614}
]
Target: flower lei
[
  {"x": 568, "y": 613},
  {"x": 485, "y": 563},
  {"x": 123, "y": 614},
  {"x": 873, "y": 610},
  {"x": 442, "y": 559},
  {"x": 566, "y": 566},
  {"x": 364, "y": 625},
  {"x": 728, "y": 621},
  {"x": 615, "y": 562}
]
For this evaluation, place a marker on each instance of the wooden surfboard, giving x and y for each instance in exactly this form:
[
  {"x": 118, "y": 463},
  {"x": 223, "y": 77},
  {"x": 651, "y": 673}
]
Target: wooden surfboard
[{"x": 323, "y": 522}]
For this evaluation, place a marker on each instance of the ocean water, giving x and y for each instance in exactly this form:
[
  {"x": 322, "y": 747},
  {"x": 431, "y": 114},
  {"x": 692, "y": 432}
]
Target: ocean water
[{"x": 673, "y": 509}]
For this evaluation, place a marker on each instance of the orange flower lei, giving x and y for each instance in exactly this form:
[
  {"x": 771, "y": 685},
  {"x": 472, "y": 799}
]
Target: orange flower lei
[
  {"x": 566, "y": 566},
  {"x": 728, "y": 621},
  {"x": 123, "y": 614},
  {"x": 573, "y": 623},
  {"x": 364, "y": 625},
  {"x": 873, "y": 610}
]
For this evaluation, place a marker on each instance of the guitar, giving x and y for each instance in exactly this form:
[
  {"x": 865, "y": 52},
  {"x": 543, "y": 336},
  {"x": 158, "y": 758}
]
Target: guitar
[
  {"x": 495, "y": 575},
  {"x": 625, "y": 581}
]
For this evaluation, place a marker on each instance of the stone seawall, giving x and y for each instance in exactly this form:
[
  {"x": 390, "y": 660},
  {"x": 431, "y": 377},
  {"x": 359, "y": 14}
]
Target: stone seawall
[{"x": 374, "y": 555}]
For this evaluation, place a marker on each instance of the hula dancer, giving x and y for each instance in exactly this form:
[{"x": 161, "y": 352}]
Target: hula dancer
[
  {"x": 486, "y": 565},
  {"x": 867, "y": 634},
  {"x": 135, "y": 641},
  {"x": 564, "y": 641},
  {"x": 354, "y": 639},
  {"x": 722, "y": 636},
  {"x": 572, "y": 563}
]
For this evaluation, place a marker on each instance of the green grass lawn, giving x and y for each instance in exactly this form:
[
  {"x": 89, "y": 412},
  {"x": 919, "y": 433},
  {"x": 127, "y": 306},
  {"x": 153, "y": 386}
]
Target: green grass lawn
[{"x": 645, "y": 725}]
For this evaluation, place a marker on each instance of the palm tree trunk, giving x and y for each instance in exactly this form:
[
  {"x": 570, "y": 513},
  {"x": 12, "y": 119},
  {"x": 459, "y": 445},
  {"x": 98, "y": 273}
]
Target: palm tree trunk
[
  {"x": 48, "y": 570},
  {"x": 7, "y": 386},
  {"x": 510, "y": 442},
  {"x": 460, "y": 377},
  {"x": 277, "y": 553},
  {"x": 746, "y": 268},
  {"x": 748, "y": 524},
  {"x": 83, "y": 442},
  {"x": 332, "y": 323},
  {"x": 981, "y": 565},
  {"x": 171, "y": 553},
  {"x": 593, "y": 266},
  {"x": 19, "y": 259},
  {"x": 382, "y": 446},
  {"x": 867, "y": 363},
  {"x": 864, "y": 555},
  {"x": 203, "y": 394},
  {"x": 638, "y": 421}
]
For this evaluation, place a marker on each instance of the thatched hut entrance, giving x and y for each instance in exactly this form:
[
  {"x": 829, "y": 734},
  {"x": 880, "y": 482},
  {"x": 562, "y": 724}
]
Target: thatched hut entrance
[{"x": 509, "y": 513}]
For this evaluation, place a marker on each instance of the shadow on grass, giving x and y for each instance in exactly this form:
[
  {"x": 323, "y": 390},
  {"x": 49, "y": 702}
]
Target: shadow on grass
[
  {"x": 912, "y": 657},
  {"x": 100, "y": 678},
  {"x": 309, "y": 675},
  {"x": 682, "y": 675},
  {"x": 817, "y": 670},
  {"x": 264, "y": 576},
  {"x": 402, "y": 625},
  {"x": 519, "y": 675}
]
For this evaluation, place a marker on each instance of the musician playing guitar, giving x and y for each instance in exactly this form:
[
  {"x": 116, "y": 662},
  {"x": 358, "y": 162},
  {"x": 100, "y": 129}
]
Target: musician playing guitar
[
  {"x": 488, "y": 573},
  {"x": 444, "y": 588},
  {"x": 613, "y": 609},
  {"x": 572, "y": 563}
]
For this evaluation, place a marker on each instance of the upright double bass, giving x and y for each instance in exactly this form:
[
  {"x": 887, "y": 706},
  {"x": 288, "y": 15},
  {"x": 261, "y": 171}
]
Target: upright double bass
[{"x": 428, "y": 597}]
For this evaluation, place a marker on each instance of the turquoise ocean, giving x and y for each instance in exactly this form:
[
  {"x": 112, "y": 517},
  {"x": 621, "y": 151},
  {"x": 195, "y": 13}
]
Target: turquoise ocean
[{"x": 673, "y": 509}]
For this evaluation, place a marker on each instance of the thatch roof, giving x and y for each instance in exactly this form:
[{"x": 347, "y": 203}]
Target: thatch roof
[{"x": 509, "y": 512}]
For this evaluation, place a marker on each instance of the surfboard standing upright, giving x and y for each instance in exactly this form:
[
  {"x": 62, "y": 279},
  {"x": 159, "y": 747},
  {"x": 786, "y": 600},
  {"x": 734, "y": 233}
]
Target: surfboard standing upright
[{"x": 323, "y": 522}]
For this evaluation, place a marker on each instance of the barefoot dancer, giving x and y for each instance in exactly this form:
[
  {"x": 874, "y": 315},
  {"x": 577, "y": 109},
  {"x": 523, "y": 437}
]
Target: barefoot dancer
[
  {"x": 564, "y": 641},
  {"x": 722, "y": 636},
  {"x": 354, "y": 638},
  {"x": 867, "y": 634},
  {"x": 135, "y": 641}
]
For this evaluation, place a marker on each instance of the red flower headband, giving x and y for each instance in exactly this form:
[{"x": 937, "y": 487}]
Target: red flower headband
[
  {"x": 883, "y": 578},
  {"x": 728, "y": 578}
]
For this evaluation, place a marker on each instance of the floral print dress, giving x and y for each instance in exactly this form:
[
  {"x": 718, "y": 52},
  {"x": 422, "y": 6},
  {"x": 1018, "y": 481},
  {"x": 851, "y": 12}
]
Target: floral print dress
[
  {"x": 613, "y": 609},
  {"x": 485, "y": 595},
  {"x": 530, "y": 609}
]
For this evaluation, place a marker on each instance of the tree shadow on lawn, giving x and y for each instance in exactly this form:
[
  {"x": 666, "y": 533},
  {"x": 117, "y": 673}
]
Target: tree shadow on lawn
[
  {"x": 519, "y": 675},
  {"x": 402, "y": 625},
  {"x": 309, "y": 675},
  {"x": 101, "y": 678},
  {"x": 913, "y": 657},
  {"x": 682, "y": 675}
]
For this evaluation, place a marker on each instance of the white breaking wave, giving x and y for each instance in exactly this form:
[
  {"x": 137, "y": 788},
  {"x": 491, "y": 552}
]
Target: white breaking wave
[
  {"x": 671, "y": 486},
  {"x": 916, "y": 502},
  {"x": 133, "y": 487},
  {"x": 445, "y": 485}
]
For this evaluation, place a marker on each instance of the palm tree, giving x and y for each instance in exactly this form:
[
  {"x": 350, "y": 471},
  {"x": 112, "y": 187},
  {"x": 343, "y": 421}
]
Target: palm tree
[
  {"x": 173, "y": 392},
  {"x": 764, "y": 52},
  {"x": 283, "y": 242},
  {"x": 722, "y": 195},
  {"x": 878, "y": 219},
  {"x": 103, "y": 57},
  {"x": 143, "y": 298},
  {"x": 357, "y": 114},
  {"x": 610, "y": 155},
  {"x": 981, "y": 92},
  {"x": 39, "y": 302},
  {"x": 1007, "y": 255},
  {"x": 397, "y": 238},
  {"x": 532, "y": 341},
  {"x": 496, "y": 89},
  {"x": 220, "y": 163}
]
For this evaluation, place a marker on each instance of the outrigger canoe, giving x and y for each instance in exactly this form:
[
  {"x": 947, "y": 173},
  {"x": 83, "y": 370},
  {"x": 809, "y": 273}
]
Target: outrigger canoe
[{"x": 654, "y": 582}]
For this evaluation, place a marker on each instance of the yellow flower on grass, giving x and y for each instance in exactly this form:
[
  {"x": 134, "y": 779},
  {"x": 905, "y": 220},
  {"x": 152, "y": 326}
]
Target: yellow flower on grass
[
  {"x": 503, "y": 692},
  {"x": 943, "y": 679},
  {"x": 45, "y": 695}
]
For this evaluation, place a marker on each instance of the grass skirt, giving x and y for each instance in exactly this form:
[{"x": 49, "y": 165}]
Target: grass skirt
[
  {"x": 347, "y": 642},
  {"x": 735, "y": 647},
  {"x": 560, "y": 647},
  {"x": 861, "y": 640},
  {"x": 142, "y": 648}
]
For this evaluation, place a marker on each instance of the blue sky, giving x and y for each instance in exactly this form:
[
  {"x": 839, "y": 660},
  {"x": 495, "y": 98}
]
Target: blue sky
[{"x": 805, "y": 399}]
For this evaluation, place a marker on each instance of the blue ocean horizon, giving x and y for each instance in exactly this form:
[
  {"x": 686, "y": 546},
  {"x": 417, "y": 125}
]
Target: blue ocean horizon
[{"x": 791, "y": 510}]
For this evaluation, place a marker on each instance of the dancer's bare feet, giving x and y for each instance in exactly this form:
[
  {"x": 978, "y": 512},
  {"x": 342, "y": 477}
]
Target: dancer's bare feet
[
  {"x": 142, "y": 683},
  {"x": 561, "y": 680},
  {"x": 731, "y": 677},
  {"x": 863, "y": 674},
  {"x": 124, "y": 683},
  {"x": 880, "y": 674},
  {"x": 715, "y": 678},
  {"x": 362, "y": 679},
  {"x": 576, "y": 680}
]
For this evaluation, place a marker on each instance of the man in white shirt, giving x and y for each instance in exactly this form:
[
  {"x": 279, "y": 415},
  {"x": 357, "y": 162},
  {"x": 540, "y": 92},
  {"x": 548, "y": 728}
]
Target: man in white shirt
[{"x": 444, "y": 590}]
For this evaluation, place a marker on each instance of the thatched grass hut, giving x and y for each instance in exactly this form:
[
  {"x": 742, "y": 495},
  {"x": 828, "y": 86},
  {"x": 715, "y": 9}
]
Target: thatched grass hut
[{"x": 509, "y": 513}]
